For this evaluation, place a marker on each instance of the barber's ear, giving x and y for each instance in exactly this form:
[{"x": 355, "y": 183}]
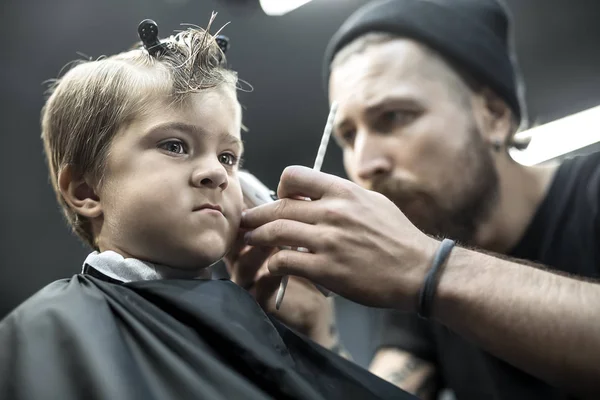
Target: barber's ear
[
  {"x": 494, "y": 116},
  {"x": 78, "y": 194}
]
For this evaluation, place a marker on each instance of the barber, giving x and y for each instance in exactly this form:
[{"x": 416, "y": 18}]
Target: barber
[{"x": 428, "y": 108}]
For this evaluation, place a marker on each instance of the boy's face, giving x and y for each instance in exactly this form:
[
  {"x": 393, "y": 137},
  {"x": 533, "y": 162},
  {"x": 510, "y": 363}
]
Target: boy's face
[{"x": 170, "y": 193}]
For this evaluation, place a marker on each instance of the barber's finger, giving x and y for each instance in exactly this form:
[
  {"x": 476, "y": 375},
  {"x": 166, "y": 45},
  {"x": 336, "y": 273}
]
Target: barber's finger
[
  {"x": 244, "y": 270},
  {"x": 292, "y": 262},
  {"x": 306, "y": 182},
  {"x": 285, "y": 233},
  {"x": 292, "y": 209},
  {"x": 265, "y": 289}
]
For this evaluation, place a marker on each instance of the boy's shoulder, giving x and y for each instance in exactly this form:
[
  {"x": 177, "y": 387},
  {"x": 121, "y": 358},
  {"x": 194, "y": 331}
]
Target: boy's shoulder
[
  {"x": 64, "y": 301},
  {"x": 59, "y": 341}
]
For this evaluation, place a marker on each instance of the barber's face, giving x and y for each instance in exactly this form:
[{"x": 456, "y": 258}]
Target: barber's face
[{"x": 406, "y": 133}]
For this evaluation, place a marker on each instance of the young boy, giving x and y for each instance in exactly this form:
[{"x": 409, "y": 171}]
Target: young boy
[{"x": 143, "y": 151}]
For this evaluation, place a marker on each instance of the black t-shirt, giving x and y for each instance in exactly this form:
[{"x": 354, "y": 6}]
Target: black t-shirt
[{"x": 564, "y": 234}]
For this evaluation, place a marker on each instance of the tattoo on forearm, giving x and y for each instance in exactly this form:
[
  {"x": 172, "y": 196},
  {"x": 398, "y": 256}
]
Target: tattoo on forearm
[
  {"x": 398, "y": 377},
  {"x": 425, "y": 389}
]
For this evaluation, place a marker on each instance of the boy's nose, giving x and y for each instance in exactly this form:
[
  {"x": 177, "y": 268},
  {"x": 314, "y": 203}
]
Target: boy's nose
[{"x": 213, "y": 178}]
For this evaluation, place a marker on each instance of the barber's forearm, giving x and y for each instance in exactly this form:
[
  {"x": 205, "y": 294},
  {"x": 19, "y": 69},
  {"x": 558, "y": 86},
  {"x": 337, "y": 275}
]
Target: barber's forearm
[{"x": 541, "y": 322}]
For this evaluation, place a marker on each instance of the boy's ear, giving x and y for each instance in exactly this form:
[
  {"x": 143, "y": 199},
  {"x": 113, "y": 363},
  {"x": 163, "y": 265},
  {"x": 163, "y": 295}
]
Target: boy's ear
[
  {"x": 495, "y": 116},
  {"x": 78, "y": 194}
]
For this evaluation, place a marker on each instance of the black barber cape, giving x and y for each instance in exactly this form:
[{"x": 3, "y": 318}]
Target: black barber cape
[{"x": 91, "y": 338}]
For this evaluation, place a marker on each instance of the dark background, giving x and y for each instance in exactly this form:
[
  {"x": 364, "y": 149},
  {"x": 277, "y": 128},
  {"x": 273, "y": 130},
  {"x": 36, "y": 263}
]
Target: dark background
[{"x": 558, "y": 44}]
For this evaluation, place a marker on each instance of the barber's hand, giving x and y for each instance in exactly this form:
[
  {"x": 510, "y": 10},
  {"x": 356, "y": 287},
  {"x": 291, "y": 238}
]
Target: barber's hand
[
  {"x": 361, "y": 245},
  {"x": 304, "y": 308}
]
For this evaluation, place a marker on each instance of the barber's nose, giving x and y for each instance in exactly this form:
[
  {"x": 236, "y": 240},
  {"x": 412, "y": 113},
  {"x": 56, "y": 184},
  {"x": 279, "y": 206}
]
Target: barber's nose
[
  {"x": 371, "y": 158},
  {"x": 214, "y": 177}
]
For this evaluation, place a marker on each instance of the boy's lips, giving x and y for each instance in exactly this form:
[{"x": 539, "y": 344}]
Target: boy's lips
[{"x": 208, "y": 206}]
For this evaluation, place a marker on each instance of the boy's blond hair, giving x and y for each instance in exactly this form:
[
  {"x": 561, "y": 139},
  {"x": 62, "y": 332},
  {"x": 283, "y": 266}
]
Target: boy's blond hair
[{"x": 95, "y": 99}]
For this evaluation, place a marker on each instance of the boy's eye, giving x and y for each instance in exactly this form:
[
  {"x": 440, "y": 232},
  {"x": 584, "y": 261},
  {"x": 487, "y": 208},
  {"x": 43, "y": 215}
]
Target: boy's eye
[
  {"x": 348, "y": 137},
  {"x": 173, "y": 146},
  {"x": 228, "y": 159}
]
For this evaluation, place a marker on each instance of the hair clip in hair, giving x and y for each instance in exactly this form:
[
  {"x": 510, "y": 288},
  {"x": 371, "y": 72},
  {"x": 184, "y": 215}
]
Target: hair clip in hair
[
  {"x": 223, "y": 43},
  {"x": 148, "y": 32}
]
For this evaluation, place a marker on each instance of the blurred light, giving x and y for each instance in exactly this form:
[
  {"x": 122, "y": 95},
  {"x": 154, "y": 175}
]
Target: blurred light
[
  {"x": 280, "y": 7},
  {"x": 560, "y": 137}
]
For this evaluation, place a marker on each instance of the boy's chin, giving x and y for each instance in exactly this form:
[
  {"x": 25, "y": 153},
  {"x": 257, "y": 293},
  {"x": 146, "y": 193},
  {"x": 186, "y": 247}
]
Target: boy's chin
[
  {"x": 201, "y": 256},
  {"x": 186, "y": 252}
]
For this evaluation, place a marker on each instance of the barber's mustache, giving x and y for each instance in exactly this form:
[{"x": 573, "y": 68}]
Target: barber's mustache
[{"x": 397, "y": 190}]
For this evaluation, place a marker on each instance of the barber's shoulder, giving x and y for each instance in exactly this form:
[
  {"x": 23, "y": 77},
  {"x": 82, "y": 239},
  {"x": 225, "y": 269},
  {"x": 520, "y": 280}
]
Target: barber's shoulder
[
  {"x": 582, "y": 174},
  {"x": 582, "y": 166}
]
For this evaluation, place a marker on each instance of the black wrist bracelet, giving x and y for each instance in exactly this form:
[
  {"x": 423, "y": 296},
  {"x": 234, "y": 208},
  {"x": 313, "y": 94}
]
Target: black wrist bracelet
[{"x": 428, "y": 290}]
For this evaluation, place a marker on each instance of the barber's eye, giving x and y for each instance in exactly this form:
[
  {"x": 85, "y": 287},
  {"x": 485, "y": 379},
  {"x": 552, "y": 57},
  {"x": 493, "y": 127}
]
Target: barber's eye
[
  {"x": 398, "y": 117},
  {"x": 228, "y": 159},
  {"x": 174, "y": 146}
]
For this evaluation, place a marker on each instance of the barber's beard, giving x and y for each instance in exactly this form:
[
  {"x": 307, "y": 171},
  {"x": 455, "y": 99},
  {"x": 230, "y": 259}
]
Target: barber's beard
[{"x": 458, "y": 213}]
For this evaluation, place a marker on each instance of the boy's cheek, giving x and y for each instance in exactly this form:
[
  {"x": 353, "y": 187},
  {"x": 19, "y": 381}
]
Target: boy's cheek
[
  {"x": 238, "y": 197},
  {"x": 236, "y": 219},
  {"x": 236, "y": 210}
]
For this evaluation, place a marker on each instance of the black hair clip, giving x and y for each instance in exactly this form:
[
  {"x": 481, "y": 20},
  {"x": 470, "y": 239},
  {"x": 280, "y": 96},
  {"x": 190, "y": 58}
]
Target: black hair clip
[
  {"x": 148, "y": 32},
  {"x": 223, "y": 43}
]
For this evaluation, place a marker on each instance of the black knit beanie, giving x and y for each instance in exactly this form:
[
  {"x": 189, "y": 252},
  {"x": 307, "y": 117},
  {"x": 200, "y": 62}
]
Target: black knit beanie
[{"x": 473, "y": 34}]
